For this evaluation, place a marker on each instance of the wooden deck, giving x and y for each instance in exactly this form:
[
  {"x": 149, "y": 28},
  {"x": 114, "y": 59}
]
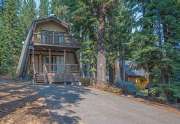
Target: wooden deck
[{"x": 67, "y": 41}]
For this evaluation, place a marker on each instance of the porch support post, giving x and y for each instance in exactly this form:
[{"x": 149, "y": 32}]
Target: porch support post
[
  {"x": 64, "y": 60},
  {"x": 50, "y": 60},
  {"x": 53, "y": 37},
  {"x": 64, "y": 76},
  {"x": 34, "y": 70},
  {"x": 40, "y": 63}
]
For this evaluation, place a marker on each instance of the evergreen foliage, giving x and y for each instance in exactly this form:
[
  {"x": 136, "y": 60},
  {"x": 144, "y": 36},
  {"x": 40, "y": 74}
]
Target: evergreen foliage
[
  {"x": 144, "y": 31},
  {"x": 59, "y": 9},
  {"x": 153, "y": 45},
  {"x": 44, "y": 8},
  {"x": 9, "y": 40}
]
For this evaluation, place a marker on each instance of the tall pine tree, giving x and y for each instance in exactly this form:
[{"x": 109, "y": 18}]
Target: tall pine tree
[
  {"x": 59, "y": 9},
  {"x": 9, "y": 38},
  {"x": 44, "y": 8}
]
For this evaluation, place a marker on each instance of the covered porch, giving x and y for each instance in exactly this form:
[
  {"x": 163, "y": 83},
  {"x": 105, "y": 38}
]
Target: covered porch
[{"x": 57, "y": 65}]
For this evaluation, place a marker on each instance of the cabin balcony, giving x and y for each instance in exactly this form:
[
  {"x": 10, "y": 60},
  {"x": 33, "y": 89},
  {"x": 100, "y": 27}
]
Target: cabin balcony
[{"x": 54, "y": 39}]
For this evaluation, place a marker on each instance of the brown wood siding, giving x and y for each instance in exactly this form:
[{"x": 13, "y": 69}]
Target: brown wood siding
[
  {"x": 36, "y": 62},
  {"x": 70, "y": 58},
  {"x": 50, "y": 26}
]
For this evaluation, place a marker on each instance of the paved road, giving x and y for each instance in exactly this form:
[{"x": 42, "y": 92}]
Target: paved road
[{"x": 88, "y": 106}]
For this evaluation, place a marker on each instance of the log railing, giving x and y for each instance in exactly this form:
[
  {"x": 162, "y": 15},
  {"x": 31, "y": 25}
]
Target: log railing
[{"x": 62, "y": 68}]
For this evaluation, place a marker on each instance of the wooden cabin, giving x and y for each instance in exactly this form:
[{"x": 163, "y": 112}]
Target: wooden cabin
[
  {"x": 136, "y": 76},
  {"x": 49, "y": 53}
]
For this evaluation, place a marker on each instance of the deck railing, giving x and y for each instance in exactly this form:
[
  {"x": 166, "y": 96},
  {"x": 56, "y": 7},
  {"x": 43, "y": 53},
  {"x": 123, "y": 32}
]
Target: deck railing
[
  {"x": 54, "y": 38},
  {"x": 62, "y": 68}
]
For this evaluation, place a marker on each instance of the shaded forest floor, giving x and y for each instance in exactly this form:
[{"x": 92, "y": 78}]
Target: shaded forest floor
[
  {"x": 24, "y": 103},
  {"x": 21, "y": 104}
]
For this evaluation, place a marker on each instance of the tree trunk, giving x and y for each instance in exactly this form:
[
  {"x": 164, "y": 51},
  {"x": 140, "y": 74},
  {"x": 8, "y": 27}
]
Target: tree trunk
[
  {"x": 112, "y": 73},
  {"x": 122, "y": 67},
  {"x": 101, "y": 60},
  {"x": 164, "y": 76},
  {"x": 147, "y": 76},
  {"x": 123, "y": 70}
]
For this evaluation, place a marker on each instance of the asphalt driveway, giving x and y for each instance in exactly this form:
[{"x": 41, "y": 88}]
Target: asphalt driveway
[{"x": 55, "y": 104}]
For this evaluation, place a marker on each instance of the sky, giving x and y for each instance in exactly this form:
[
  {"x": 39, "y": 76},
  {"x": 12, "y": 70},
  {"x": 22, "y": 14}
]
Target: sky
[
  {"x": 1, "y": 3},
  {"x": 37, "y": 3}
]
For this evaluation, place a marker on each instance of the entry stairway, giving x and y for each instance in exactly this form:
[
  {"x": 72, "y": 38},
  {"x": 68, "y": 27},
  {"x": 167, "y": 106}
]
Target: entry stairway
[
  {"x": 40, "y": 78},
  {"x": 56, "y": 77}
]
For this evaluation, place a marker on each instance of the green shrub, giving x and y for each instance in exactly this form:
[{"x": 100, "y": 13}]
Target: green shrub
[
  {"x": 172, "y": 92},
  {"x": 154, "y": 92},
  {"x": 142, "y": 93}
]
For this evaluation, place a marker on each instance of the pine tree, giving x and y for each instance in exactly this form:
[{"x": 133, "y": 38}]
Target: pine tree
[
  {"x": 98, "y": 9},
  {"x": 59, "y": 9},
  {"x": 44, "y": 8},
  {"x": 118, "y": 35},
  {"x": 86, "y": 23},
  {"x": 27, "y": 14},
  {"x": 154, "y": 42},
  {"x": 9, "y": 40}
]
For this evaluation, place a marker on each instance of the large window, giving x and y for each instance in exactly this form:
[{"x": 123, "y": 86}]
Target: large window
[
  {"x": 58, "y": 38},
  {"x": 50, "y": 37},
  {"x": 56, "y": 65}
]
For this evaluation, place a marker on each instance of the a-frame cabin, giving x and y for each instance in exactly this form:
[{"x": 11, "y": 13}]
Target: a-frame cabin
[{"x": 49, "y": 53}]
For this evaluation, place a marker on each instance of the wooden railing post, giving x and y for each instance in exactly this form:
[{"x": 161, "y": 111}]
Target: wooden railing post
[
  {"x": 64, "y": 60},
  {"x": 34, "y": 69},
  {"x": 45, "y": 72},
  {"x": 50, "y": 59},
  {"x": 53, "y": 37}
]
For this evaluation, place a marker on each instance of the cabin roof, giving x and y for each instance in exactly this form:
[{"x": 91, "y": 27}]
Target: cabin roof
[
  {"x": 131, "y": 71},
  {"x": 52, "y": 18}
]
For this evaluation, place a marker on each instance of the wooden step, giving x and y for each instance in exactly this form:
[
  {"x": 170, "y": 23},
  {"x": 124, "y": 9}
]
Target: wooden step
[{"x": 40, "y": 78}]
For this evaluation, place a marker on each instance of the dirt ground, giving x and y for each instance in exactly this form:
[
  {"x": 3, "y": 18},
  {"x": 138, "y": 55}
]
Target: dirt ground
[
  {"x": 24, "y": 103},
  {"x": 20, "y": 104}
]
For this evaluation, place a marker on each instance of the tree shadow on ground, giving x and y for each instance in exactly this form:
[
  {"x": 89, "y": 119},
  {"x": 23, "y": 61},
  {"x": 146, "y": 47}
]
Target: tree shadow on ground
[
  {"x": 57, "y": 100},
  {"x": 8, "y": 107},
  {"x": 19, "y": 91}
]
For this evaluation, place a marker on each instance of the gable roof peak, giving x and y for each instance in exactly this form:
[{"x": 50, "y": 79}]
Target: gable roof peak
[{"x": 54, "y": 18}]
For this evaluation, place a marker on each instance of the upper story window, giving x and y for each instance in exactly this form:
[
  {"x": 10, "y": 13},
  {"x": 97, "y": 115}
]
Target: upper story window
[{"x": 51, "y": 37}]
